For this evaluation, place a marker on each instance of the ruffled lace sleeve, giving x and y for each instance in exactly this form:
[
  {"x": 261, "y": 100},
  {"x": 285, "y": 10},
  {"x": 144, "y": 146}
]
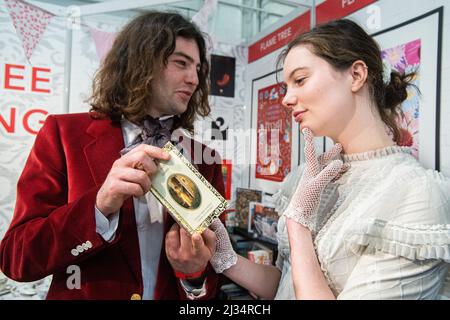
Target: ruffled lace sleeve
[
  {"x": 403, "y": 240},
  {"x": 411, "y": 219}
]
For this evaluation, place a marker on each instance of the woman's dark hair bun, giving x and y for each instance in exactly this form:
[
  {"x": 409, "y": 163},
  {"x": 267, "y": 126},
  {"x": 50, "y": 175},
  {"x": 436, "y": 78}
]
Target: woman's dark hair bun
[{"x": 396, "y": 90}]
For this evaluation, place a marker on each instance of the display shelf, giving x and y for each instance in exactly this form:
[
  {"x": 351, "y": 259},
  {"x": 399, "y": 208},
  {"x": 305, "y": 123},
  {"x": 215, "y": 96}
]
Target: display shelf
[{"x": 253, "y": 237}]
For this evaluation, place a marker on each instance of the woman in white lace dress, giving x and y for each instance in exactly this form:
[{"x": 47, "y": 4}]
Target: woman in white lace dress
[{"x": 365, "y": 220}]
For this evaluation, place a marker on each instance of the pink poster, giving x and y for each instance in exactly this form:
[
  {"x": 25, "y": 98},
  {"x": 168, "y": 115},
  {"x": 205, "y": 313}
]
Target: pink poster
[
  {"x": 274, "y": 135},
  {"x": 405, "y": 58}
]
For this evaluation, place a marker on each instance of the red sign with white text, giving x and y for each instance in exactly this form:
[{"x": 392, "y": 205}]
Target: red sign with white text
[{"x": 326, "y": 11}]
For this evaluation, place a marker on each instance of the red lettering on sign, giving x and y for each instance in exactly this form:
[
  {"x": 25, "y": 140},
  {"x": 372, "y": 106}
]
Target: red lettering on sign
[
  {"x": 9, "y": 76},
  {"x": 35, "y": 79},
  {"x": 11, "y": 127},
  {"x": 346, "y": 3},
  {"x": 26, "y": 117},
  {"x": 326, "y": 11},
  {"x": 21, "y": 78}
]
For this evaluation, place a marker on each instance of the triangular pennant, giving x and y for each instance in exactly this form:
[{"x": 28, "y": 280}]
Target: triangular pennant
[
  {"x": 30, "y": 23},
  {"x": 202, "y": 19},
  {"x": 103, "y": 41}
]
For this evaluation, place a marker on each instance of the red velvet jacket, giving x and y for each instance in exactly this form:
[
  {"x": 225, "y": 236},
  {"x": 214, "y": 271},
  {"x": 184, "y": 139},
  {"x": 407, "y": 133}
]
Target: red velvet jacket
[{"x": 54, "y": 214}]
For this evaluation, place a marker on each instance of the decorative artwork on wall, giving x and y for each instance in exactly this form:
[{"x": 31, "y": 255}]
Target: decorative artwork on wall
[
  {"x": 405, "y": 58},
  {"x": 275, "y": 136},
  {"x": 223, "y": 71},
  {"x": 415, "y": 45}
]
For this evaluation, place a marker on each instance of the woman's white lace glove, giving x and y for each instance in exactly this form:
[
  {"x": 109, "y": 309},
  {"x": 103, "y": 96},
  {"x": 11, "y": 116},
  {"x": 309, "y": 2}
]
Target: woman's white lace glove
[
  {"x": 318, "y": 173},
  {"x": 224, "y": 257}
]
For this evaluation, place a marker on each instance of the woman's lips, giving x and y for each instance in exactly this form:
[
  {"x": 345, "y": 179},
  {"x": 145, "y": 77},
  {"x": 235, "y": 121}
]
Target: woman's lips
[{"x": 298, "y": 115}]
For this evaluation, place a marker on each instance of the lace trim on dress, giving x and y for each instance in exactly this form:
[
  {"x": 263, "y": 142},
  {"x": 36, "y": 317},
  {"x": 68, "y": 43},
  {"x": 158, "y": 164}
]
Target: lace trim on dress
[
  {"x": 418, "y": 242},
  {"x": 375, "y": 154}
]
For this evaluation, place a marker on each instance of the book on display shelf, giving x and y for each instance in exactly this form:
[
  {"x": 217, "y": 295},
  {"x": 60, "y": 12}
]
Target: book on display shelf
[{"x": 243, "y": 198}]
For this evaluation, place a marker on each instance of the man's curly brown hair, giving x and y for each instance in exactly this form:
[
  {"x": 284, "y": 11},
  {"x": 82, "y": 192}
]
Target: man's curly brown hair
[{"x": 122, "y": 85}]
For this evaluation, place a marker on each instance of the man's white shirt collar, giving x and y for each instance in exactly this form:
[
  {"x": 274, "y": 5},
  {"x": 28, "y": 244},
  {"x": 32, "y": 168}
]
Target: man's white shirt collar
[{"x": 155, "y": 209}]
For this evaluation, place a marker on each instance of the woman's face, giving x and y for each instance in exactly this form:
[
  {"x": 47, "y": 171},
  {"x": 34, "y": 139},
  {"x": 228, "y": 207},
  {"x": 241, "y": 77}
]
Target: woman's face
[{"x": 320, "y": 97}]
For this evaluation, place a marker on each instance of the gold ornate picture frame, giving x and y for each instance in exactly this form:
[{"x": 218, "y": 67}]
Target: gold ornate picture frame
[{"x": 191, "y": 200}]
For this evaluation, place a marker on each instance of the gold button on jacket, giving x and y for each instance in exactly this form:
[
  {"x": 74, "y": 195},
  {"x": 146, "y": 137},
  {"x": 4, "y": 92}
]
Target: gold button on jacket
[{"x": 136, "y": 296}]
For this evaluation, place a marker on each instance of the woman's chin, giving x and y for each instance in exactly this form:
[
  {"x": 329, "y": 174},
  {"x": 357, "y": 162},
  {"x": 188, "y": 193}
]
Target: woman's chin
[
  {"x": 304, "y": 125},
  {"x": 317, "y": 132}
]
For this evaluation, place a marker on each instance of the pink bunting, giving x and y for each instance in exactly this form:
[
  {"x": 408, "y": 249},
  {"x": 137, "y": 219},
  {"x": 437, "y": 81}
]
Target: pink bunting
[
  {"x": 30, "y": 23},
  {"x": 103, "y": 41}
]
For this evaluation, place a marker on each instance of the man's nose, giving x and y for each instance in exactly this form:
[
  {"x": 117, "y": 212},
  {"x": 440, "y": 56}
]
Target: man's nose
[{"x": 192, "y": 76}]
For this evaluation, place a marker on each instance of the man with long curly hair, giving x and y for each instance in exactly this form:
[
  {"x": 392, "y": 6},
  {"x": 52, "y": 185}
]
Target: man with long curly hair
[{"x": 83, "y": 200}]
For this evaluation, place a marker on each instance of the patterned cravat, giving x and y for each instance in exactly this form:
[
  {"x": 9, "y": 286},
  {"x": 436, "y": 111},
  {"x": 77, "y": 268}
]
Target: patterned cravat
[{"x": 155, "y": 132}]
